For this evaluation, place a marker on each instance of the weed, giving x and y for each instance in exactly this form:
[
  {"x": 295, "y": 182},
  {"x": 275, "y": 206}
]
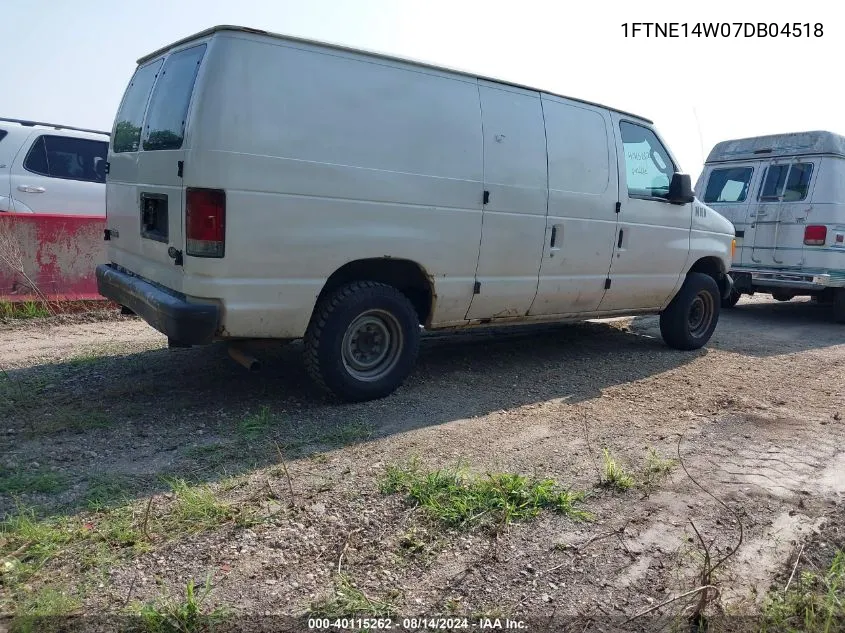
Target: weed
[
  {"x": 614, "y": 475},
  {"x": 29, "y": 482},
  {"x": 454, "y": 498},
  {"x": 655, "y": 469},
  {"x": 417, "y": 542},
  {"x": 196, "y": 508},
  {"x": 347, "y": 601},
  {"x": 186, "y": 615},
  {"x": 256, "y": 425},
  {"x": 815, "y": 604},
  {"x": 23, "y": 310}
]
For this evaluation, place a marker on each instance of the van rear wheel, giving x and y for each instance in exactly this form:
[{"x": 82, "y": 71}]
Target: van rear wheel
[
  {"x": 362, "y": 341},
  {"x": 689, "y": 320}
]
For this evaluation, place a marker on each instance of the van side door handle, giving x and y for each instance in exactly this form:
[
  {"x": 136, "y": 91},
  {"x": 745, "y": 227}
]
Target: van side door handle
[
  {"x": 619, "y": 241},
  {"x": 554, "y": 237},
  {"x": 31, "y": 189}
]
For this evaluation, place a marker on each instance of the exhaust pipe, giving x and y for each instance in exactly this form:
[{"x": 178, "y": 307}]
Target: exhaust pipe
[{"x": 244, "y": 359}]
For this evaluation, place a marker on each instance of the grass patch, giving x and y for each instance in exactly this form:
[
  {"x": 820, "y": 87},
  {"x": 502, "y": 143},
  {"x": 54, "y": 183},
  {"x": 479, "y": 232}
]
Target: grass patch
[
  {"x": 26, "y": 544},
  {"x": 16, "y": 393},
  {"x": 456, "y": 499},
  {"x": 256, "y": 425},
  {"x": 267, "y": 425},
  {"x": 183, "y": 615},
  {"x": 347, "y": 601},
  {"x": 105, "y": 491},
  {"x": 614, "y": 476},
  {"x": 49, "y": 602},
  {"x": 15, "y": 482},
  {"x": 195, "y": 509},
  {"x": 813, "y": 604},
  {"x": 10, "y": 310},
  {"x": 70, "y": 419},
  {"x": 655, "y": 469}
]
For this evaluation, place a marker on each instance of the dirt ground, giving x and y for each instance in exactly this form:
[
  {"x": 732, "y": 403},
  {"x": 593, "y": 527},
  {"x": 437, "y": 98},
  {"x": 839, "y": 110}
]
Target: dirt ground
[{"x": 103, "y": 406}]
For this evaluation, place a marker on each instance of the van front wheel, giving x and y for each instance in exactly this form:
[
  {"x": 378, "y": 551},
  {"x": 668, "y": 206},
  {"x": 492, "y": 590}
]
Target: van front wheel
[
  {"x": 362, "y": 341},
  {"x": 689, "y": 320}
]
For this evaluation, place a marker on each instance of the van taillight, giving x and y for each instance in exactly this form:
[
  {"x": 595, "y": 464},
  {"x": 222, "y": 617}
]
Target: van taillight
[
  {"x": 205, "y": 222},
  {"x": 815, "y": 235}
]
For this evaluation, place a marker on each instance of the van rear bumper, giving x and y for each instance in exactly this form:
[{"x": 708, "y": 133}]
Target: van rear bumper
[
  {"x": 167, "y": 311},
  {"x": 748, "y": 278}
]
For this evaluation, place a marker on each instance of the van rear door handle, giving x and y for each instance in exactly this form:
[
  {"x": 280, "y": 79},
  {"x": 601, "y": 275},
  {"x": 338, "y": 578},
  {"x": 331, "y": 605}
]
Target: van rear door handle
[{"x": 31, "y": 189}]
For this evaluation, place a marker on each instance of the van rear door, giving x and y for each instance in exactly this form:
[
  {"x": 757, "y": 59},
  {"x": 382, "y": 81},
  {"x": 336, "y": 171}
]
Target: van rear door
[
  {"x": 777, "y": 217},
  {"x": 145, "y": 194}
]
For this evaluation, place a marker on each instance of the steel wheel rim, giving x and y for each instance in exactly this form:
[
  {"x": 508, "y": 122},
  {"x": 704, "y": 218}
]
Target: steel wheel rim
[
  {"x": 372, "y": 345},
  {"x": 700, "y": 314}
]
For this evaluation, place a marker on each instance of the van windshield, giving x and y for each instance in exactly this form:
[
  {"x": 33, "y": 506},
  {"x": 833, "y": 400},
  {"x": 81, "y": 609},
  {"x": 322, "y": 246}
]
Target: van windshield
[{"x": 165, "y": 128}]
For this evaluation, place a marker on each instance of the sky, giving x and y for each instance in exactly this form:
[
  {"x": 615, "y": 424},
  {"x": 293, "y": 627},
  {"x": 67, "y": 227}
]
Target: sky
[{"x": 69, "y": 62}]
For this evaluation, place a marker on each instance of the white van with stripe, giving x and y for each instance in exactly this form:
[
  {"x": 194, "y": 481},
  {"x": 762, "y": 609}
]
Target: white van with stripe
[{"x": 785, "y": 195}]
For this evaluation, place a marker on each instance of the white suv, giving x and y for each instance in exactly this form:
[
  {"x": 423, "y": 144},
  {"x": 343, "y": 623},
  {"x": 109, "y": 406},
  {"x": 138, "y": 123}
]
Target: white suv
[{"x": 47, "y": 168}]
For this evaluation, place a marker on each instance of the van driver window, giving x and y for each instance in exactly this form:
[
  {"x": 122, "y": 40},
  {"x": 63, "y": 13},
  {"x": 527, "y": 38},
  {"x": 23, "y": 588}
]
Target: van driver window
[
  {"x": 648, "y": 168},
  {"x": 728, "y": 185},
  {"x": 787, "y": 183}
]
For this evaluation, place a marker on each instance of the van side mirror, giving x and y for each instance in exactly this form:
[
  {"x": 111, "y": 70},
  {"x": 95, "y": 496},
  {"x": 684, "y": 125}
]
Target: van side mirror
[{"x": 680, "y": 189}]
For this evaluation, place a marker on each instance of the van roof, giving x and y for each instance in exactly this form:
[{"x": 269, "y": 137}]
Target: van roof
[
  {"x": 244, "y": 29},
  {"x": 778, "y": 145}
]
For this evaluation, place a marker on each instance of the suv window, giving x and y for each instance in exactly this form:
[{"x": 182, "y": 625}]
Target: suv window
[
  {"x": 169, "y": 103},
  {"x": 68, "y": 158},
  {"x": 728, "y": 185},
  {"x": 787, "y": 183},
  {"x": 127, "y": 130},
  {"x": 648, "y": 168}
]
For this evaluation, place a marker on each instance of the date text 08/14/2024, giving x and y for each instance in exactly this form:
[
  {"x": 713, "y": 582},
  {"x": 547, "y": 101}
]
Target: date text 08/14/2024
[
  {"x": 416, "y": 624},
  {"x": 723, "y": 29}
]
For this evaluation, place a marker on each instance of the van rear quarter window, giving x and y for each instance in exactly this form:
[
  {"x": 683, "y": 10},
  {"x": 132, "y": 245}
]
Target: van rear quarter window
[
  {"x": 728, "y": 184},
  {"x": 165, "y": 127},
  {"x": 127, "y": 131},
  {"x": 787, "y": 183}
]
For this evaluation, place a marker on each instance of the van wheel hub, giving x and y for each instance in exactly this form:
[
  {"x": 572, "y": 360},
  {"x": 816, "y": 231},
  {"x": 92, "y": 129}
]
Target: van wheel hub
[
  {"x": 372, "y": 345},
  {"x": 700, "y": 314}
]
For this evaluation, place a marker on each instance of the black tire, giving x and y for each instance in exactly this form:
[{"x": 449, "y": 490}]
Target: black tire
[
  {"x": 839, "y": 305},
  {"x": 689, "y": 320},
  {"x": 375, "y": 312},
  {"x": 782, "y": 296},
  {"x": 731, "y": 300}
]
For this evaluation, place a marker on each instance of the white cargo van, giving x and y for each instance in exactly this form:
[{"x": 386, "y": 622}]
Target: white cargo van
[
  {"x": 262, "y": 186},
  {"x": 785, "y": 195}
]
